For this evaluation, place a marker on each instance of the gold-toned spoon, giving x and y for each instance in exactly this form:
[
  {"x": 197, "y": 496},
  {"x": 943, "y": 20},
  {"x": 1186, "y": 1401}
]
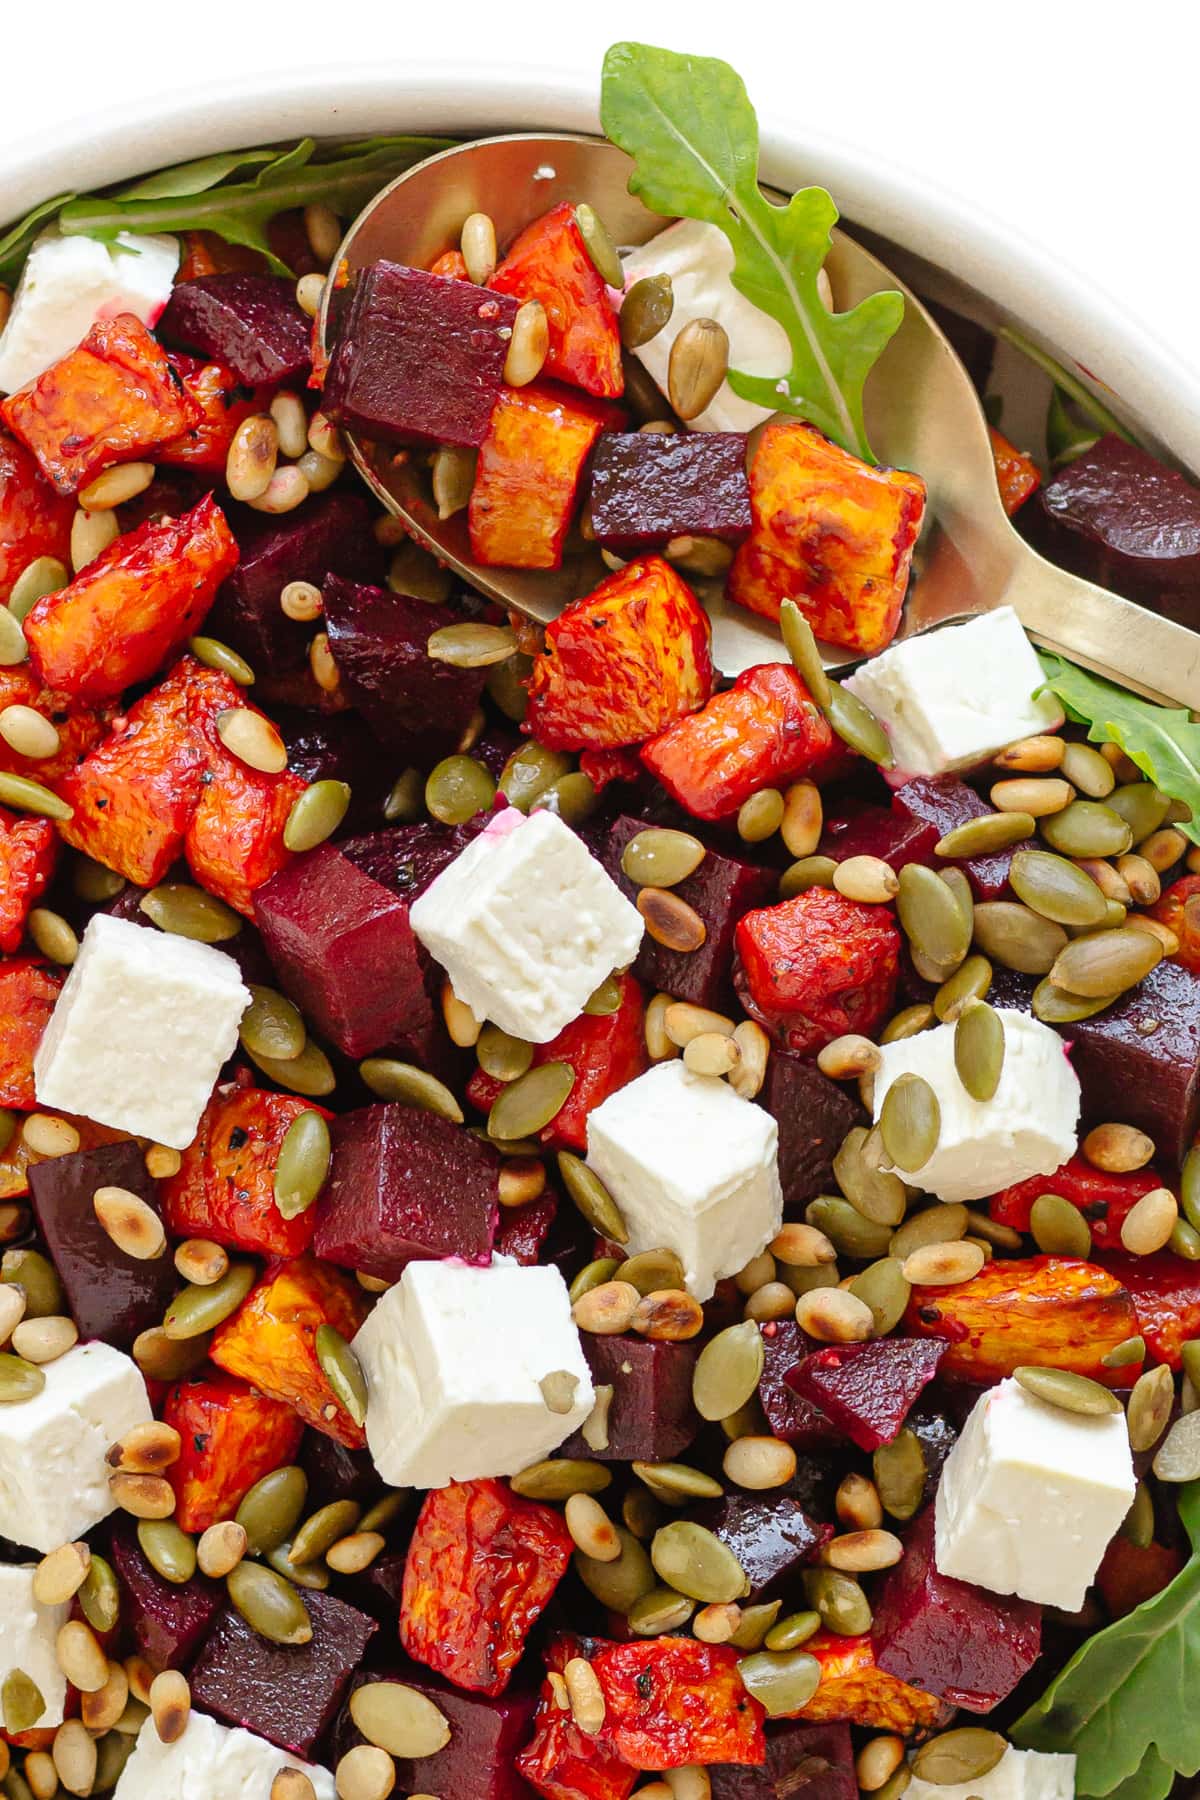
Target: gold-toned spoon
[{"x": 922, "y": 413}]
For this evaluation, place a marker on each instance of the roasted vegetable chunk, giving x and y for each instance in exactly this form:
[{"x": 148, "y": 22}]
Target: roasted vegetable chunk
[
  {"x": 1104, "y": 1200},
  {"x": 34, "y": 519},
  {"x": 225, "y": 1188},
  {"x": 28, "y": 851},
  {"x": 114, "y": 399},
  {"x": 251, "y": 323},
  {"x": 1139, "y": 1059},
  {"x": 134, "y": 606},
  {"x": 816, "y": 966},
  {"x": 622, "y": 664},
  {"x": 853, "y": 1687},
  {"x": 550, "y": 262},
  {"x": 79, "y": 727},
  {"x": 28, "y": 991},
  {"x": 270, "y": 1341},
  {"x": 804, "y": 1762},
  {"x": 167, "y": 1621},
  {"x": 1165, "y": 1291},
  {"x": 231, "y": 1438},
  {"x": 561, "y": 1761},
  {"x": 649, "y": 486},
  {"x": 867, "y": 1389},
  {"x": 764, "y": 731},
  {"x": 481, "y": 1568},
  {"x": 531, "y": 462},
  {"x": 673, "y": 1701},
  {"x": 234, "y": 839},
  {"x": 1017, "y": 475},
  {"x": 813, "y": 1115},
  {"x": 1173, "y": 911},
  {"x": 651, "y": 1416},
  {"x": 225, "y": 403},
  {"x": 830, "y": 533}
]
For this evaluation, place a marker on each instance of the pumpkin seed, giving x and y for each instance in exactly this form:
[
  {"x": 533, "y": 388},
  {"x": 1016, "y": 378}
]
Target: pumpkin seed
[
  {"x": 619, "y": 1584},
  {"x": 652, "y": 1270},
  {"x": 1138, "y": 1524},
  {"x": 899, "y": 1471},
  {"x": 910, "y": 1121},
  {"x": 187, "y": 911},
  {"x": 846, "y": 1228},
  {"x": 884, "y": 1288},
  {"x": 342, "y": 1370},
  {"x": 782, "y": 1684},
  {"x": 1087, "y": 828},
  {"x": 1105, "y": 962},
  {"x": 99, "y": 1597},
  {"x": 1058, "y": 1228},
  {"x": 215, "y": 655},
  {"x": 645, "y": 310},
  {"x": 909, "y": 1022},
  {"x": 405, "y": 1083},
  {"x": 457, "y": 789},
  {"x": 269, "y": 1604},
  {"x": 37, "y": 1279},
  {"x": 28, "y": 796},
  {"x": 44, "y": 575},
  {"x": 316, "y": 814},
  {"x": 1057, "y": 889},
  {"x": 527, "y": 1105},
  {"x": 1151, "y": 1400},
  {"x": 676, "y": 1484},
  {"x": 1129, "y": 1350},
  {"x": 310, "y": 1575},
  {"x": 1017, "y": 937},
  {"x": 199, "y": 1309},
  {"x": 661, "y": 858},
  {"x": 661, "y": 1610},
  {"x": 807, "y": 872},
  {"x": 21, "y": 1701},
  {"x": 641, "y": 1512},
  {"x": 954, "y": 1757},
  {"x": 272, "y": 1026},
  {"x": 1189, "y": 1187},
  {"x": 529, "y": 771},
  {"x": 754, "y": 1624},
  {"x": 605, "y": 1000},
  {"x": 695, "y": 1562},
  {"x": 697, "y": 366},
  {"x": 572, "y": 798},
  {"x": 985, "y": 834},
  {"x": 13, "y": 647},
  {"x": 793, "y": 1631},
  {"x": 1142, "y": 807},
  {"x": 1055, "y": 1006},
  {"x": 471, "y": 645},
  {"x": 19, "y": 1380},
  {"x": 501, "y": 1055},
  {"x": 728, "y": 1371},
  {"x": 1067, "y": 1390},
  {"x": 113, "y": 1751},
  {"x": 979, "y": 1049},
  {"x": 857, "y": 726},
  {"x": 507, "y": 684},
  {"x": 839, "y": 1600},
  {"x": 399, "y": 1719},
  {"x": 592, "y": 1275},
  {"x": 598, "y": 243},
  {"x": 406, "y": 798},
  {"x": 931, "y": 916},
  {"x": 168, "y": 1549},
  {"x": 1185, "y": 1241},
  {"x": 801, "y": 646},
  {"x": 760, "y": 817},
  {"x": 877, "y": 1194},
  {"x": 453, "y": 476},
  {"x": 303, "y": 1165},
  {"x": 272, "y": 1508},
  {"x": 559, "y": 1477},
  {"x": 1178, "y": 1457}
]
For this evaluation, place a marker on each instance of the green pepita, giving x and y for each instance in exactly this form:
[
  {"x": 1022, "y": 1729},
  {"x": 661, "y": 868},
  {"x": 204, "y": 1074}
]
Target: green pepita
[
  {"x": 598, "y": 243},
  {"x": 53, "y": 936},
  {"x": 507, "y": 685},
  {"x": 877, "y": 1194},
  {"x": 1129, "y": 1350},
  {"x": 19, "y": 1380},
  {"x": 793, "y": 1631},
  {"x": 13, "y": 647},
  {"x": 529, "y": 771},
  {"x": 314, "y": 1576},
  {"x": 1151, "y": 1401},
  {"x": 1189, "y": 1187},
  {"x": 857, "y": 725},
  {"x": 592, "y": 1275},
  {"x": 970, "y": 981},
  {"x": 807, "y": 872},
  {"x": 8, "y": 1127},
  {"x": 1105, "y": 962},
  {"x": 215, "y": 655},
  {"x": 44, "y": 575},
  {"x": 801, "y": 646},
  {"x": 620, "y": 1584},
  {"x": 303, "y": 1164},
  {"x": 604, "y": 1000},
  {"x": 271, "y": 1510},
  {"x": 21, "y": 1701},
  {"x": 399, "y": 1719},
  {"x": 985, "y": 835},
  {"x": 168, "y": 1549},
  {"x": 272, "y": 1026},
  {"x": 1054, "y": 1006},
  {"x": 944, "y": 1222},
  {"x": 316, "y": 814},
  {"x": 1141, "y": 805},
  {"x": 1057, "y": 888},
  {"x": 100, "y": 1596},
  {"x": 27, "y": 796},
  {"x": 92, "y": 882},
  {"x": 189, "y": 912},
  {"x": 849, "y": 1232},
  {"x": 1016, "y": 937},
  {"x": 458, "y": 787},
  {"x": 954, "y": 1757},
  {"x": 1065, "y": 1389},
  {"x": 910, "y": 1121},
  {"x": 840, "y": 1601},
  {"x": 471, "y": 645},
  {"x": 37, "y": 1279},
  {"x": 572, "y": 799},
  {"x": 694, "y": 1561},
  {"x": 386, "y": 1510},
  {"x": 343, "y": 1371},
  {"x": 527, "y": 1105},
  {"x": 113, "y": 1751},
  {"x": 646, "y": 309},
  {"x": 198, "y": 1309},
  {"x": 932, "y": 916},
  {"x": 453, "y": 474},
  {"x": 641, "y": 1512},
  {"x": 884, "y": 1289},
  {"x": 909, "y": 1022},
  {"x": 1138, "y": 1524},
  {"x": 782, "y": 1684},
  {"x": 754, "y": 1625},
  {"x": 979, "y": 1049},
  {"x": 660, "y": 1611},
  {"x": 1185, "y": 1241},
  {"x": 899, "y": 1471},
  {"x": 501, "y": 1055},
  {"x": 389, "y": 1079},
  {"x": 559, "y": 1477},
  {"x": 406, "y": 798},
  {"x": 1087, "y": 828},
  {"x": 323, "y": 1528},
  {"x": 1058, "y": 1228},
  {"x": 652, "y": 1270},
  {"x": 269, "y": 1604},
  {"x": 728, "y": 1370},
  {"x": 676, "y": 1484},
  {"x": 760, "y": 817},
  {"x": 1178, "y": 1458},
  {"x": 661, "y": 858}
]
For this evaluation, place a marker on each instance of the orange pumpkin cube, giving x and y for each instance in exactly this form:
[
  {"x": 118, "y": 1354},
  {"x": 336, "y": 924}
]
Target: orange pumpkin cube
[
  {"x": 225, "y": 403},
  {"x": 28, "y": 991},
  {"x": 225, "y": 1186},
  {"x": 854, "y": 1688},
  {"x": 28, "y": 852},
  {"x": 671, "y": 1701},
  {"x": 1017, "y": 475},
  {"x": 16, "y": 1157},
  {"x": 1178, "y": 908},
  {"x": 34, "y": 519},
  {"x": 549, "y": 262},
  {"x": 527, "y": 477},
  {"x": 79, "y": 728},
  {"x": 832, "y": 534},
  {"x": 231, "y": 1437}
]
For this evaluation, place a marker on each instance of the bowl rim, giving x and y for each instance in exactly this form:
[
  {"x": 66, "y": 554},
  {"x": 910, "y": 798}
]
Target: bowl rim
[{"x": 1022, "y": 279}]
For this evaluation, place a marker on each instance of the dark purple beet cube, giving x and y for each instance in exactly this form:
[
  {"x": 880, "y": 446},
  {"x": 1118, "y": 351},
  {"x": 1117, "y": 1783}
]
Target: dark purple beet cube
[
  {"x": 867, "y": 1389},
  {"x": 406, "y": 1186},
  {"x": 937, "y": 1434},
  {"x": 338, "y": 747},
  {"x": 111, "y": 1295},
  {"x": 804, "y": 1762},
  {"x": 944, "y": 802},
  {"x": 770, "y": 1534},
  {"x": 377, "y": 1590},
  {"x": 418, "y": 707},
  {"x": 485, "y": 1737},
  {"x": 336, "y": 1473},
  {"x": 651, "y": 1418},
  {"x": 951, "y": 1638},
  {"x": 813, "y": 1115},
  {"x": 524, "y": 1229},
  {"x": 721, "y": 890},
  {"x": 251, "y": 323},
  {"x": 859, "y": 828},
  {"x": 287, "y": 1693},
  {"x": 168, "y": 1622},
  {"x": 789, "y": 1414},
  {"x": 419, "y": 358},
  {"x": 648, "y": 487},
  {"x": 1139, "y": 1059}
]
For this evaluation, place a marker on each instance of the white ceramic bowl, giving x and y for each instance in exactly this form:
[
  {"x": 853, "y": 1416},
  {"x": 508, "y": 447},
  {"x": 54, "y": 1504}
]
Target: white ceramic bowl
[{"x": 1011, "y": 278}]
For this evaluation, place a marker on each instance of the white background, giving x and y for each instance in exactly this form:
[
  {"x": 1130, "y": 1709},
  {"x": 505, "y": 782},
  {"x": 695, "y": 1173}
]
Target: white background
[{"x": 1076, "y": 120}]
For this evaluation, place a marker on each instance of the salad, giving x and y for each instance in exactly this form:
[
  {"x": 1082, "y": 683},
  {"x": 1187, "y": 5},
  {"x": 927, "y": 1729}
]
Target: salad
[{"x": 572, "y": 1227}]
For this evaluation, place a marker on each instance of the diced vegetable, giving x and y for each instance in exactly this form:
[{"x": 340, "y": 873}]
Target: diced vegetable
[
  {"x": 531, "y": 462},
  {"x": 28, "y": 991},
  {"x": 648, "y": 487},
  {"x": 549, "y": 262},
  {"x": 562, "y": 1762},
  {"x": 673, "y": 1701},
  {"x": 225, "y": 403},
  {"x": 225, "y": 1187},
  {"x": 854, "y": 1687},
  {"x": 28, "y": 853},
  {"x": 251, "y": 323},
  {"x": 816, "y": 966},
  {"x": 231, "y": 1436},
  {"x": 35, "y": 520},
  {"x": 1104, "y": 1200},
  {"x": 1017, "y": 475}
]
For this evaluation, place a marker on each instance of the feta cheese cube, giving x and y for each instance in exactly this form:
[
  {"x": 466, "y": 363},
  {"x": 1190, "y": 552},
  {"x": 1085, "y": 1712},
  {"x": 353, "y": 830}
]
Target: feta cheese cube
[
  {"x": 1028, "y": 1127},
  {"x": 950, "y": 699},
  {"x": 454, "y": 1357},
  {"x": 1019, "y": 1775},
  {"x": 140, "y": 1031},
  {"x": 53, "y": 1476},
  {"x": 27, "y": 1639},
  {"x": 699, "y": 259},
  {"x": 693, "y": 1167},
  {"x": 1030, "y": 1497},
  {"x": 210, "y": 1762},
  {"x": 527, "y": 925},
  {"x": 70, "y": 282}
]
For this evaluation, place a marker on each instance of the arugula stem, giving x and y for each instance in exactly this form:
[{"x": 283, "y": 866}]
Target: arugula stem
[{"x": 1087, "y": 402}]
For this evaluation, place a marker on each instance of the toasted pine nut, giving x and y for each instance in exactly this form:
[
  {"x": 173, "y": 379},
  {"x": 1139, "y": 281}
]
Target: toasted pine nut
[
  {"x": 252, "y": 738},
  {"x": 291, "y": 422},
  {"x": 47, "y": 1136},
  {"x": 668, "y": 1314},
  {"x": 608, "y": 1309},
  {"x": 139, "y": 1675},
  {"x": 134, "y": 1227},
  {"x": 29, "y": 732},
  {"x": 91, "y": 535},
  {"x": 1112, "y": 885},
  {"x": 310, "y": 291},
  {"x": 1140, "y": 877},
  {"x": 44, "y": 1340},
  {"x": 162, "y": 1162},
  {"x": 857, "y": 1503},
  {"x": 522, "y": 1179},
  {"x": 221, "y": 1548},
  {"x": 1163, "y": 847},
  {"x": 1117, "y": 1149},
  {"x": 74, "y": 1755},
  {"x": 170, "y": 1704},
  {"x": 585, "y": 1694},
  {"x": 356, "y": 1552},
  {"x": 878, "y": 1761},
  {"x": 325, "y": 438},
  {"x": 802, "y": 1247},
  {"x": 323, "y": 229},
  {"x": 101, "y": 1710},
  {"x": 754, "y": 1048},
  {"x": 860, "y": 1552},
  {"x": 145, "y": 1496},
  {"x": 866, "y": 878},
  {"x": 803, "y": 818},
  {"x": 716, "y": 1624},
  {"x": 80, "y": 1657},
  {"x": 712, "y": 1053},
  {"x": 773, "y": 1300},
  {"x": 113, "y": 487},
  {"x": 1156, "y": 929},
  {"x": 200, "y": 1261},
  {"x": 252, "y": 457},
  {"x": 1032, "y": 755},
  {"x": 478, "y": 245},
  {"x": 41, "y": 1776},
  {"x": 461, "y": 1023},
  {"x": 943, "y": 1265},
  {"x": 284, "y": 492},
  {"x": 320, "y": 661},
  {"x": 1148, "y": 1224},
  {"x": 591, "y": 1528},
  {"x": 146, "y": 1449},
  {"x": 528, "y": 344},
  {"x": 834, "y": 1316},
  {"x": 848, "y": 1057},
  {"x": 759, "y": 1462},
  {"x": 683, "y": 1022},
  {"x": 60, "y": 1575},
  {"x": 760, "y": 1268},
  {"x": 1030, "y": 795},
  {"x": 658, "y": 1043}
]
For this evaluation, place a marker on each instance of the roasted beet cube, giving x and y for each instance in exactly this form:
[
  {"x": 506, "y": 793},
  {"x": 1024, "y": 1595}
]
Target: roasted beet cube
[
  {"x": 168, "y": 1621},
  {"x": 225, "y": 1187},
  {"x": 770, "y": 1534},
  {"x": 339, "y": 747},
  {"x": 561, "y": 1761},
  {"x": 1017, "y": 475},
  {"x": 231, "y": 1437},
  {"x": 34, "y": 519},
  {"x": 1139, "y": 1059},
  {"x": 945, "y": 802},
  {"x": 28, "y": 991},
  {"x": 416, "y": 705},
  {"x": 804, "y": 1762},
  {"x": 651, "y": 1418},
  {"x": 672, "y": 1701},
  {"x": 406, "y": 1185},
  {"x": 225, "y": 404},
  {"x": 527, "y": 479},
  {"x": 550, "y": 262},
  {"x": 419, "y": 359},
  {"x": 1165, "y": 1292},
  {"x": 251, "y": 323},
  {"x": 867, "y": 1389},
  {"x": 648, "y": 487},
  {"x": 486, "y": 1733},
  {"x": 895, "y": 836},
  {"x": 961, "y": 1642},
  {"x": 111, "y": 1295},
  {"x": 789, "y": 1414},
  {"x": 523, "y": 1230},
  {"x": 813, "y": 1115},
  {"x": 28, "y": 852},
  {"x": 287, "y": 1693},
  {"x": 1105, "y": 1200},
  {"x": 336, "y": 1473},
  {"x": 816, "y": 966},
  {"x": 853, "y": 1687},
  {"x": 379, "y": 1588}
]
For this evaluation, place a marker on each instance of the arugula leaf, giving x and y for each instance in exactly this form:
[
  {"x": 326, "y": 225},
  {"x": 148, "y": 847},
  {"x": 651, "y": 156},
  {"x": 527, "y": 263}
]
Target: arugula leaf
[
  {"x": 1089, "y": 404},
  {"x": 193, "y": 177},
  {"x": 1125, "y": 1702},
  {"x": 16, "y": 241},
  {"x": 1161, "y": 740},
  {"x": 690, "y": 128}
]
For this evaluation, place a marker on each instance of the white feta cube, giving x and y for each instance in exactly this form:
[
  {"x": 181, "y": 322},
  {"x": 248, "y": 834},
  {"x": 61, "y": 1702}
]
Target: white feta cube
[
  {"x": 53, "y": 1476},
  {"x": 950, "y": 699},
  {"x": 27, "y": 1638},
  {"x": 527, "y": 924},
  {"x": 1030, "y": 1497},
  {"x": 455, "y": 1358},
  {"x": 1019, "y": 1775},
  {"x": 699, "y": 259},
  {"x": 210, "y": 1761},
  {"x": 140, "y": 1031},
  {"x": 693, "y": 1167},
  {"x": 1028, "y": 1127},
  {"x": 70, "y": 282}
]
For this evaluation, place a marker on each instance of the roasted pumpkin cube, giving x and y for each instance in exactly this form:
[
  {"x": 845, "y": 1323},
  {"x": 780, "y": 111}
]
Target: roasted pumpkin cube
[
  {"x": 270, "y": 1341},
  {"x": 225, "y": 1187},
  {"x": 1017, "y": 475},
  {"x": 527, "y": 478},
  {"x": 134, "y": 606},
  {"x": 79, "y": 728},
  {"x": 28, "y": 852},
  {"x": 672, "y": 1701},
  {"x": 231, "y": 1437},
  {"x": 34, "y": 519},
  {"x": 1172, "y": 909},
  {"x": 832, "y": 534},
  {"x": 563, "y": 1762},
  {"x": 482, "y": 1565},
  {"x": 207, "y": 253},
  {"x": 28, "y": 991},
  {"x": 1165, "y": 1291},
  {"x": 1104, "y": 1200},
  {"x": 114, "y": 399},
  {"x": 853, "y": 1687},
  {"x": 224, "y": 402},
  {"x": 816, "y": 966},
  {"x": 549, "y": 262},
  {"x": 16, "y": 1158},
  {"x": 1049, "y": 1310},
  {"x": 623, "y": 663},
  {"x": 764, "y": 731}
]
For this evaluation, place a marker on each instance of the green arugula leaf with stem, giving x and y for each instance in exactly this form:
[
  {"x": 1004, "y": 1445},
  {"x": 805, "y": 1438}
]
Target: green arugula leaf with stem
[
  {"x": 1125, "y": 1703},
  {"x": 1161, "y": 740},
  {"x": 16, "y": 241},
  {"x": 692, "y": 133}
]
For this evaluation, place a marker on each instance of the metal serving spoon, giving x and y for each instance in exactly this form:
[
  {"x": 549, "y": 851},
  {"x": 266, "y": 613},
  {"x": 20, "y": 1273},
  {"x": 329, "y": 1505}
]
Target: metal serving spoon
[{"x": 922, "y": 413}]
